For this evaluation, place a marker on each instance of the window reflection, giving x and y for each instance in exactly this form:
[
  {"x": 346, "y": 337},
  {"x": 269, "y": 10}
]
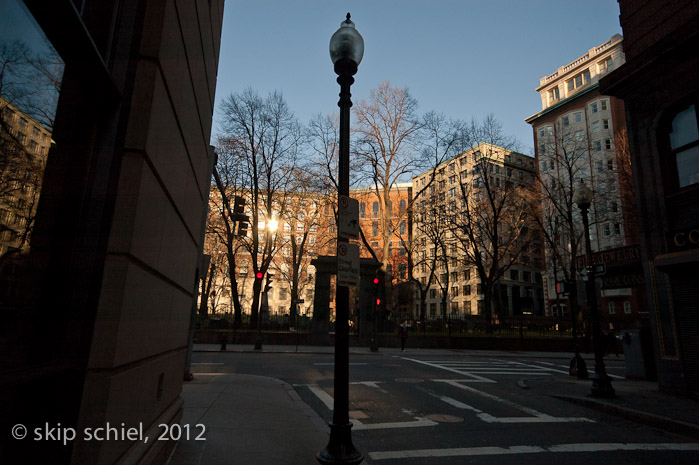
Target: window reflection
[
  {"x": 30, "y": 79},
  {"x": 684, "y": 142}
]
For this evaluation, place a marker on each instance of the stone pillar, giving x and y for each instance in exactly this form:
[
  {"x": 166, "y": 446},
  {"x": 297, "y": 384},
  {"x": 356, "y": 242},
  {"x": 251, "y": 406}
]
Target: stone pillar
[{"x": 326, "y": 266}]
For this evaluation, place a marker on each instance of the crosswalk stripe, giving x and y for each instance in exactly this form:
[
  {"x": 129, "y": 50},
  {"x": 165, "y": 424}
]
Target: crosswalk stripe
[{"x": 559, "y": 448}]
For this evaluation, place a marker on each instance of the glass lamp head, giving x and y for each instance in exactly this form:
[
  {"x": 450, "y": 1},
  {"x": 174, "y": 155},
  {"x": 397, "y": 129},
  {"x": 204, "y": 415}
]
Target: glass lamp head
[
  {"x": 583, "y": 195},
  {"x": 347, "y": 43}
]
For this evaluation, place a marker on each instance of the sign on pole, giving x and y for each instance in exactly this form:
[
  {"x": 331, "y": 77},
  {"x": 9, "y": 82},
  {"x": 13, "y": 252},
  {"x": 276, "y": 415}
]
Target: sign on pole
[
  {"x": 347, "y": 264},
  {"x": 348, "y": 217}
]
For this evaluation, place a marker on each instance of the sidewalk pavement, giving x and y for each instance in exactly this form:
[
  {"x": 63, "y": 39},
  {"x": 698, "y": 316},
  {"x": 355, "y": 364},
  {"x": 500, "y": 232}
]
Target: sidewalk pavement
[
  {"x": 248, "y": 420},
  {"x": 259, "y": 420}
]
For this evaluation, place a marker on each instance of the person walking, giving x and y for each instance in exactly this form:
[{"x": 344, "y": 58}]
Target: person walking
[{"x": 403, "y": 332}]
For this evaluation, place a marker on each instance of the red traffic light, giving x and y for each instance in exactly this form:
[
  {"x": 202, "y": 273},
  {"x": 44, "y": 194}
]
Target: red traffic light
[
  {"x": 378, "y": 301},
  {"x": 259, "y": 275},
  {"x": 376, "y": 280}
]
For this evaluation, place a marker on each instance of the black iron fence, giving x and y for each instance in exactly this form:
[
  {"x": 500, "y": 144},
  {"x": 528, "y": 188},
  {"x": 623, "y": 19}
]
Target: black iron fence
[{"x": 475, "y": 325}]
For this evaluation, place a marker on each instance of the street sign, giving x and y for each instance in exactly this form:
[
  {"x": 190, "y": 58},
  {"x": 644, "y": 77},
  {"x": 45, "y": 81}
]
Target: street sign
[
  {"x": 348, "y": 221},
  {"x": 297, "y": 301},
  {"x": 347, "y": 264},
  {"x": 597, "y": 269}
]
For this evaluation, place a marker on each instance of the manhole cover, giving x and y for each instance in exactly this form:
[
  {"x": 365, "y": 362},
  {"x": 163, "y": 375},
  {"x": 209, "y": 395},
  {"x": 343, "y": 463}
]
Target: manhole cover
[
  {"x": 409, "y": 380},
  {"x": 443, "y": 418}
]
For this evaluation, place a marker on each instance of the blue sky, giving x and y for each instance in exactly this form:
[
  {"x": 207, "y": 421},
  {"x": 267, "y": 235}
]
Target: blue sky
[{"x": 466, "y": 59}]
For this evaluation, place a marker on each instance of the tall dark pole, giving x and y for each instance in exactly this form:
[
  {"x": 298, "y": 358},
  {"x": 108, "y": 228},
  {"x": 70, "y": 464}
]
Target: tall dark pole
[
  {"x": 340, "y": 449},
  {"x": 601, "y": 382}
]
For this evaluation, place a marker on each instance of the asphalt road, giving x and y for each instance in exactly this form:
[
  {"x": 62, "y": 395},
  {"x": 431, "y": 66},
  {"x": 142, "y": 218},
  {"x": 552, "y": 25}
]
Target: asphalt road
[{"x": 457, "y": 407}]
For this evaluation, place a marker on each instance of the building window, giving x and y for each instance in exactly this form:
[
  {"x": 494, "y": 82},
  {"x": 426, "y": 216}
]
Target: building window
[
  {"x": 402, "y": 205},
  {"x": 627, "y": 307},
  {"x": 578, "y": 117},
  {"x": 593, "y": 108},
  {"x": 605, "y": 65},
  {"x": 455, "y": 291},
  {"x": 566, "y": 121},
  {"x": 684, "y": 146},
  {"x": 375, "y": 228},
  {"x": 605, "y": 124},
  {"x": 554, "y": 95},
  {"x": 613, "y": 206},
  {"x": 610, "y": 164},
  {"x": 375, "y": 210},
  {"x": 579, "y": 80},
  {"x": 607, "y": 144},
  {"x": 541, "y": 132},
  {"x": 617, "y": 228},
  {"x": 433, "y": 293},
  {"x": 467, "y": 289},
  {"x": 362, "y": 210},
  {"x": 598, "y": 146},
  {"x": 612, "y": 308},
  {"x": 607, "y": 229}
]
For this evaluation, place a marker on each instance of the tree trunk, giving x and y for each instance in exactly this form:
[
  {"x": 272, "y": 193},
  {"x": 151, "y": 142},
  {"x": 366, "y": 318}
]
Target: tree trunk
[{"x": 256, "y": 290}]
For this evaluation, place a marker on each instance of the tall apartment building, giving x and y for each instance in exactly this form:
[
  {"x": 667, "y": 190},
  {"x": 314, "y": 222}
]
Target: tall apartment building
[
  {"x": 398, "y": 232},
  {"x": 438, "y": 209},
  {"x": 24, "y": 144},
  {"x": 580, "y": 134},
  {"x": 371, "y": 215}
]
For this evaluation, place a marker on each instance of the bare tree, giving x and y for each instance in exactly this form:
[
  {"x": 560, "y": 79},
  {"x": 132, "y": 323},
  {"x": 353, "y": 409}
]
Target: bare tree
[
  {"x": 386, "y": 130},
  {"x": 492, "y": 224},
  {"x": 264, "y": 138},
  {"x": 431, "y": 254},
  {"x": 303, "y": 217},
  {"x": 563, "y": 160},
  {"x": 222, "y": 230},
  {"x": 626, "y": 187}
]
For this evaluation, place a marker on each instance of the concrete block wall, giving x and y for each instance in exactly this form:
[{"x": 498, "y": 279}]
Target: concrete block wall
[{"x": 136, "y": 361}]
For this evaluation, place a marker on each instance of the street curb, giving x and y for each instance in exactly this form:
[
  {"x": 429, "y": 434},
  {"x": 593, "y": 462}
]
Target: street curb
[
  {"x": 650, "y": 419},
  {"x": 359, "y": 352},
  {"x": 252, "y": 351}
]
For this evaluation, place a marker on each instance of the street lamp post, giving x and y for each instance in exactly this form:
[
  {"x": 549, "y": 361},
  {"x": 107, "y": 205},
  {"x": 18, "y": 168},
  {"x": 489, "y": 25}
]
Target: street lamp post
[
  {"x": 271, "y": 226},
  {"x": 346, "y": 51},
  {"x": 601, "y": 382}
]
